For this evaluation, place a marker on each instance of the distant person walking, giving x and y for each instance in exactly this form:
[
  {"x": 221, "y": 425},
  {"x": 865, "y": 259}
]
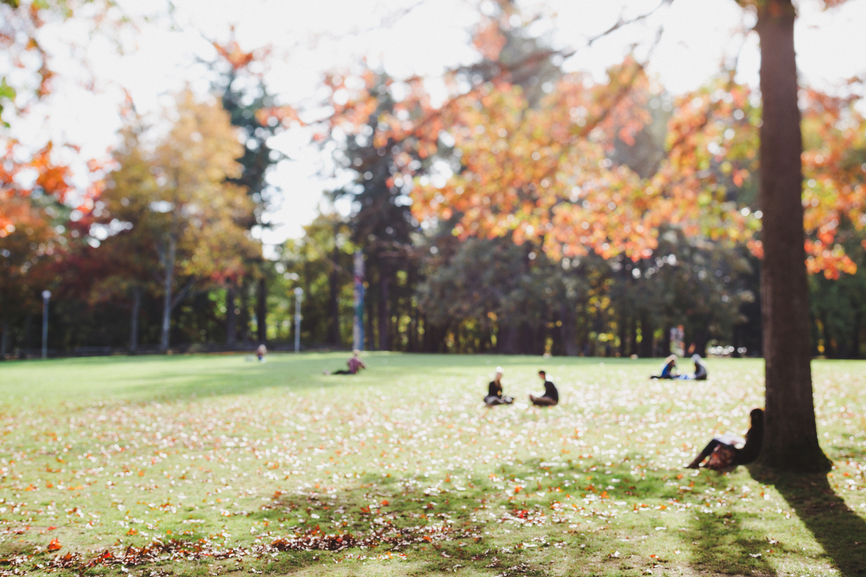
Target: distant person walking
[
  {"x": 494, "y": 391},
  {"x": 355, "y": 365},
  {"x": 550, "y": 396},
  {"x": 261, "y": 352},
  {"x": 669, "y": 369},
  {"x": 723, "y": 453}
]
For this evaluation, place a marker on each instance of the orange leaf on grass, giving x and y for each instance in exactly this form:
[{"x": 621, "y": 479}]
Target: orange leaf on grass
[{"x": 54, "y": 545}]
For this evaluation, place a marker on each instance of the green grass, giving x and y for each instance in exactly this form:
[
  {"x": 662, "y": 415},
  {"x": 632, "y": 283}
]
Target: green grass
[{"x": 240, "y": 467}]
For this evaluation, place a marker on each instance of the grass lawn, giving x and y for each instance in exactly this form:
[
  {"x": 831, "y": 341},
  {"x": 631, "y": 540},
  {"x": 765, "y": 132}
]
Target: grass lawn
[{"x": 206, "y": 465}]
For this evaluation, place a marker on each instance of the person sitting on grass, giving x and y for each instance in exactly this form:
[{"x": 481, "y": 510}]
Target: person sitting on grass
[
  {"x": 700, "y": 370},
  {"x": 550, "y": 396},
  {"x": 494, "y": 391},
  {"x": 669, "y": 369},
  {"x": 355, "y": 365},
  {"x": 722, "y": 450}
]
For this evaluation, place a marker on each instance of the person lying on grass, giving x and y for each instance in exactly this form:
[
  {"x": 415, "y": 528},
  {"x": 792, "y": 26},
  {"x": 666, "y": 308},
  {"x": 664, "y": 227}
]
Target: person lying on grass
[
  {"x": 669, "y": 369},
  {"x": 494, "y": 391},
  {"x": 550, "y": 396},
  {"x": 723, "y": 453},
  {"x": 355, "y": 365}
]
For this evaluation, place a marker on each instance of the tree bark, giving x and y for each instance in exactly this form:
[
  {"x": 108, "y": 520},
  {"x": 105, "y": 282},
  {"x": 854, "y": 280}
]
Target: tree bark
[
  {"x": 136, "y": 308},
  {"x": 167, "y": 286},
  {"x": 231, "y": 315},
  {"x": 790, "y": 436}
]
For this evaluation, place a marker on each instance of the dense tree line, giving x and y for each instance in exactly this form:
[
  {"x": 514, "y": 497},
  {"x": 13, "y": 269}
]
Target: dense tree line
[{"x": 459, "y": 211}]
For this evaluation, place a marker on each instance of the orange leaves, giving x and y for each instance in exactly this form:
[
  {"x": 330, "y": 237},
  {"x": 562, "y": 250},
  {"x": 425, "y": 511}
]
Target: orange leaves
[
  {"x": 231, "y": 52},
  {"x": 54, "y": 545},
  {"x": 277, "y": 115},
  {"x": 489, "y": 40}
]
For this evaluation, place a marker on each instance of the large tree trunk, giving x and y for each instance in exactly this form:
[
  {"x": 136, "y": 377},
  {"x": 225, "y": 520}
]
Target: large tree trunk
[
  {"x": 167, "y": 286},
  {"x": 136, "y": 307},
  {"x": 262, "y": 312},
  {"x": 790, "y": 437},
  {"x": 231, "y": 315}
]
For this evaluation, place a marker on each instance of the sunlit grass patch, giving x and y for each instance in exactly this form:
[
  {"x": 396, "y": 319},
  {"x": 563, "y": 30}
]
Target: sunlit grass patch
[{"x": 199, "y": 465}]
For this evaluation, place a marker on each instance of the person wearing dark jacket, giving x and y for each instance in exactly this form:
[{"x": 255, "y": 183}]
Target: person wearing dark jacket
[
  {"x": 494, "y": 391},
  {"x": 742, "y": 456},
  {"x": 550, "y": 396}
]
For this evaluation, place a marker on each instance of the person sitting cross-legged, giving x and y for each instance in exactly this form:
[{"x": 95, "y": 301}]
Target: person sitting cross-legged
[
  {"x": 550, "y": 396},
  {"x": 494, "y": 391},
  {"x": 700, "y": 370}
]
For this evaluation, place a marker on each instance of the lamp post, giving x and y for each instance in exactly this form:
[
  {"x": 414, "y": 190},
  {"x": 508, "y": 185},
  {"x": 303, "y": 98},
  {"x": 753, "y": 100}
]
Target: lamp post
[
  {"x": 299, "y": 295},
  {"x": 45, "y": 296}
]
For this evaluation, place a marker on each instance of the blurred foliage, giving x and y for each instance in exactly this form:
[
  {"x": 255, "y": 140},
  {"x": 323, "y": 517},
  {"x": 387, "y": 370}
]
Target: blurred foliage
[{"x": 530, "y": 211}]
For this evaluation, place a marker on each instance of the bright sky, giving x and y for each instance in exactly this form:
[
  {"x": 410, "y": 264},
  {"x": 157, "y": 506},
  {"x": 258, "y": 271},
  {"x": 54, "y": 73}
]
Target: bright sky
[{"x": 405, "y": 37}]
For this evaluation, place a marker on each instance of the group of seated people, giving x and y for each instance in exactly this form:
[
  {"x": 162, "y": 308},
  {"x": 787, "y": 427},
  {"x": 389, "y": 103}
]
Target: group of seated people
[
  {"x": 494, "y": 397},
  {"x": 720, "y": 453},
  {"x": 669, "y": 370}
]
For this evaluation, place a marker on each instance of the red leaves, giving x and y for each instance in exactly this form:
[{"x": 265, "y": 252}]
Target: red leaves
[{"x": 54, "y": 545}]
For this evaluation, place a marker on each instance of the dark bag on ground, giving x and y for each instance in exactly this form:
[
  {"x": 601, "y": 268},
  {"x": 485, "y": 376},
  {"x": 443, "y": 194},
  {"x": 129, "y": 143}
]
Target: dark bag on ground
[{"x": 723, "y": 457}]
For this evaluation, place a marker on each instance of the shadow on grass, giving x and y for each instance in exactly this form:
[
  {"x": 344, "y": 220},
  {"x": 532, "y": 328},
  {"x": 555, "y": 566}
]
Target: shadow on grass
[
  {"x": 722, "y": 544},
  {"x": 838, "y": 529}
]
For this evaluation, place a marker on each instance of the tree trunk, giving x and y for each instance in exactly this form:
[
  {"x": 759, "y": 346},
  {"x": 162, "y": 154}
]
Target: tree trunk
[
  {"x": 384, "y": 317},
  {"x": 262, "y": 312},
  {"x": 508, "y": 340},
  {"x": 4, "y": 340},
  {"x": 333, "y": 299},
  {"x": 136, "y": 307},
  {"x": 646, "y": 336},
  {"x": 370, "y": 335},
  {"x": 245, "y": 311},
  {"x": 569, "y": 330},
  {"x": 231, "y": 315},
  {"x": 623, "y": 335},
  {"x": 166, "y": 303},
  {"x": 790, "y": 436},
  {"x": 28, "y": 330}
]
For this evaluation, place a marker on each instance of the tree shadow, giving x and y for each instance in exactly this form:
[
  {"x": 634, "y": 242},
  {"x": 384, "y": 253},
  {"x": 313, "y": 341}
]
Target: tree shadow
[
  {"x": 835, "y": 526},
  {"x": 722, "y": 543}
]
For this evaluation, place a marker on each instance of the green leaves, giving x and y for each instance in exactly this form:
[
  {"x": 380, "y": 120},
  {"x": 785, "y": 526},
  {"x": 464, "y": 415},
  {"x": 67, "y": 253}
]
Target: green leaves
[{"x": 6, "y": 93}]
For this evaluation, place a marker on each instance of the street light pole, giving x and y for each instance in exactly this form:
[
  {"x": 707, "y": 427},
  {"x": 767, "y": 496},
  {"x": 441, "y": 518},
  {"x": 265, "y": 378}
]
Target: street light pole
[
  {"x": 45, "y": 296},
  {"x": 299, "y": 295}
]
